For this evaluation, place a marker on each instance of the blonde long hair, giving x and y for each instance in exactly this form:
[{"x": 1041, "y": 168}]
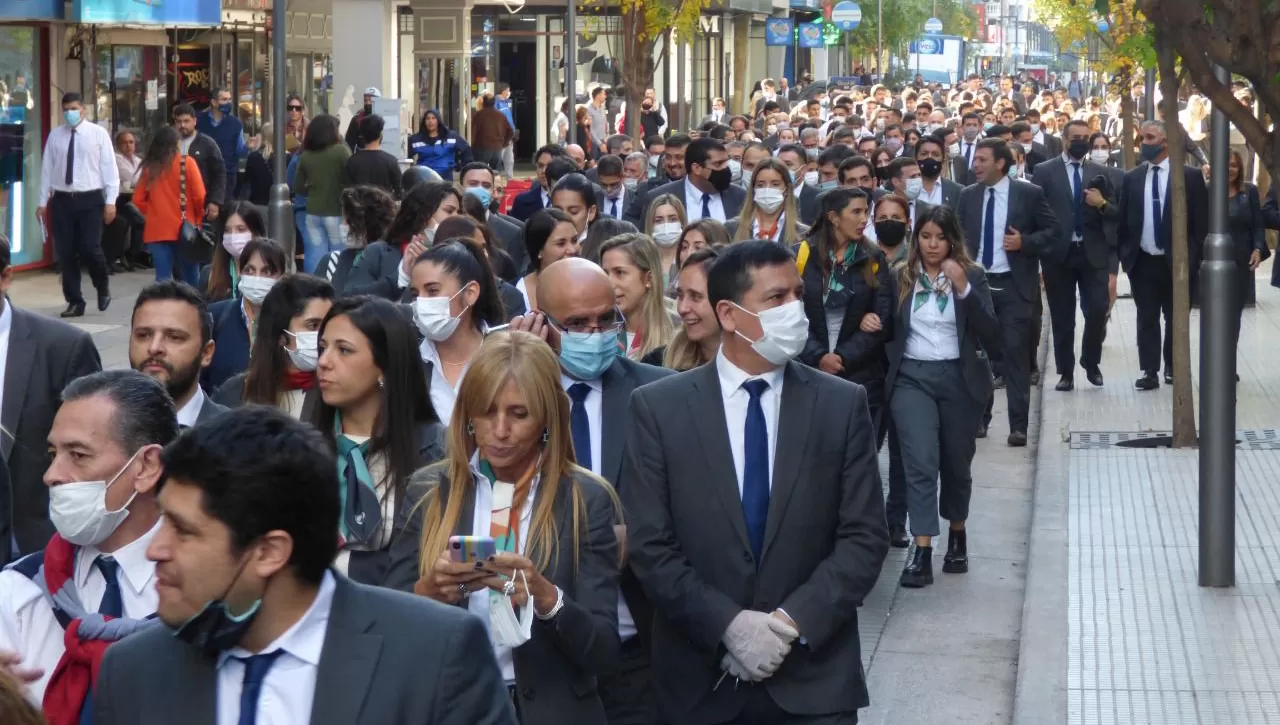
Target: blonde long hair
[
  {"x": 670, "y": 199},
  {"x": 682, "y": 353},
  {"x": 527, "y": 360},
  {"x": 656, "y": 328},
  {"x": 748, "y": 214},
  {"x": 949, "y": 223}
]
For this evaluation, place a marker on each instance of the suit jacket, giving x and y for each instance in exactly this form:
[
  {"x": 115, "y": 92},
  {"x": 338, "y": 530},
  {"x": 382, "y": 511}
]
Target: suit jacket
[
  {"x": 230, "y": 344},
  {"x": 556, "y": 670},
  {"x": 1030, "y": 214},
  {"x": 1053, "y": 144},
  {"x": 976, "y": 327},
  {"x": 639, "y": 204},
  {"x": 1133, "y": 205},
  {"x": 231, "y": 395},
  {"x": 808, "y": 205},
  {"x": 527, "y": 203},
  {"x": 44, "y": 355},
  {"x": 210, "y": 409},
  {"x": 823, "y": 548},
  {"x": 388, "y": 658},
  {"x": 960, "y": 171},
  {"x": 731, "y": 198},
  {"x": 1054, "y": 177},
  {"x": 213, "y": 169},
  {"x": 509, "y": 234},
  {"x": 1036, "y": 156},
  {"x": 950, "y": 194}
]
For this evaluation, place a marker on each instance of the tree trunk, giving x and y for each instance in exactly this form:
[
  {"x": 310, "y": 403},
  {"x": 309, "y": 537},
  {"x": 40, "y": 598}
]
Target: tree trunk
[
  {"x": 1184, "y": 413},
  {"x": 637, "y": 64},
  {"x": 1126, "y": 121}
]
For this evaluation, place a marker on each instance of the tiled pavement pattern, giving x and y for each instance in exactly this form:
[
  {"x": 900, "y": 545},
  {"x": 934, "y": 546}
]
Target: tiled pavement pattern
[{"x": 41, "y": 292}]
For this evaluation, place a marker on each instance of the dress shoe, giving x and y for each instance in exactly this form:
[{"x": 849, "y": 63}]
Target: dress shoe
[
  {"x": 1094, "y": 375},
  {"x": 1146, "y": 382},
  {"x": 956, "y": 560},
  {"x": 1168, "y": 378},
  {"x": 998, "y": 383},
  {"x": 982, "y": 430},
  {"x": 919, "y": 570},
  {"x": 1035, "y": 379},
  {"x": 1018, "y": 439},
  {"x": 73, "y": 310},
  {"x": 1065, "y": 385},
  {"x": 104, "y": 301},
  {"x": 898, "y": 536}
]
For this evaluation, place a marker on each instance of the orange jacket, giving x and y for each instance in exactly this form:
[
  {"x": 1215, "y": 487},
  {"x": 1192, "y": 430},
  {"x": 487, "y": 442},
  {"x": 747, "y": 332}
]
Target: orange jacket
[{"x": 158, "y": 201}]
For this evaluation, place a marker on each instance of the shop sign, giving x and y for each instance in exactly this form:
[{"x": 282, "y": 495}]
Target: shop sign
[
  {"x": 777, "y": 31},
  {"x": 31, "y": 10},
  {"x": 709, "y": 24},
  {"x": 810, "y": 35},
  {"x": 168, "y": 13}
]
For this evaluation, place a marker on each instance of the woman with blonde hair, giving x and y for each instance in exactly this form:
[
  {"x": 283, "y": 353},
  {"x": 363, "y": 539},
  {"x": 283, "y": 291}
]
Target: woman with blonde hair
[
  {"x": 632, "y": 263},
  {"x": 511, "y": 477},
  {"x": 698, "y": 339},
  {"x": 938, "y": 384},
  {"x": 770, "y": 209},
  {"x": 664, "y": 221}
]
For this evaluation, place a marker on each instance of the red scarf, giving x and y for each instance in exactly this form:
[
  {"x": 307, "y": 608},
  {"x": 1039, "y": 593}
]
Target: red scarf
[
  {"x": 77, "y": 671},
  {"x": 298, "y": 380}
]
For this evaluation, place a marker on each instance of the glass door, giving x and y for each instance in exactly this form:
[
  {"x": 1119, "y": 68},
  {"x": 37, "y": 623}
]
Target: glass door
[
  {"x": 21, "y": 131},
  {"x": 130, "y": 90}
]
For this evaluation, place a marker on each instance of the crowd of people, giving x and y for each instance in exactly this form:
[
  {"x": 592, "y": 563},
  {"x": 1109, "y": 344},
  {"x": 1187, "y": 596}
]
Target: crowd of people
[{"x": 605, "y": 451}]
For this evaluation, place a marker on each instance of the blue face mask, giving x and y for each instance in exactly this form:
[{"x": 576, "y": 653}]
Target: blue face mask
[
  {"x": 1149, "y": 152},
  {"x": 214, "y": 629},
  {"x": 484, "y": 195},
  {"x": 586, "y": 355},
  {"x": 72, "y": 116},
  {"x": 828, "y": 185},
  {"x": 224, "y": 108}
]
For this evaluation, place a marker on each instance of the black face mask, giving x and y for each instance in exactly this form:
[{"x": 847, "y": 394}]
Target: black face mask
[
  {"x": 214, "y": 629},
  {"x": 721, "y": 179},
  {"x": 930, "y": 168},
  {"x": 368, "y": 108},
  {"x": 891, "y": 232},
  {"x": 1078, "y": 149},
  {"x": 882, "y": 173}
]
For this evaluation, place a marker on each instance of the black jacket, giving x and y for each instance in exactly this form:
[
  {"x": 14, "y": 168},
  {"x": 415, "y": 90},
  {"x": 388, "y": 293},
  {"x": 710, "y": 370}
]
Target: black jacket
[
  {"x": 213, "y": 171},
  {"x": 373, "y": 270},
  {"x": 862, "y": 352}
]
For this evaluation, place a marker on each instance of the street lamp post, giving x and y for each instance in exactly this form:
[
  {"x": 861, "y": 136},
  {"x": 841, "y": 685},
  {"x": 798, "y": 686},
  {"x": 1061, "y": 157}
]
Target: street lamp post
[
  {"x": 280, "y": 208},
  {"x": 570, "y": 68}
]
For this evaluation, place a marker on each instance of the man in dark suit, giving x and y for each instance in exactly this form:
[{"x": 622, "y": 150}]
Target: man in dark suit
[
  {"x": 970, "y": 135},
  {"x": 477, "y": 179},
  {"x": 171, "y": 339},
  {"x": 1052, "y": 143},
  {"x": 707, "y": 189},
  {"x": 1033, "y": 153},
  {"x": 756, "y": 514},
  {"x": 1008, "y": 225},
  {"x": 577, "y": 298},
  {"x": 673, "y": 170},
  {"x": 1008, "y": 93},
  {"x": 936, "y": 191},
  {"x": 38, "y": 357},
  {"x": 1145, "y": 240},
  {"x": 1084, "y": 212},
  {"x": 794, "y": 158},
  {"x": 538, "y": 197},
  {"x": 250, "y": 505}
]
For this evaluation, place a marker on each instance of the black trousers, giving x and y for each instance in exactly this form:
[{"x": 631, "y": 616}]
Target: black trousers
[
  {"x": 492, "y": 158},
  {"x": 1014, "y": 314},
  {"x": 1061, "y": 282},
  {"x": 760, "y": 709},
  {"x": 1152, "y": 282},
  {"x": 627, "y": 693},
  {"x": 75, "y": 220},
  {"x": 1037, "y": 323}
]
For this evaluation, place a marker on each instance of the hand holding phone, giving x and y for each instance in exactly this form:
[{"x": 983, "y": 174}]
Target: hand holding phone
[{"x": 468, "y": 549}]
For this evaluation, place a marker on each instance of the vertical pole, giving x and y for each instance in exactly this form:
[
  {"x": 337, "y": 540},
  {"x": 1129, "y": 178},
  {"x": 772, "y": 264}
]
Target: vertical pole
[
  {"x": 1149, "y": 97},
  {"x": 681, "y": 123},
  {"x": 570, "y": 71},
  {"x": 280, "y": 209},
  {"x": 1218, "y": 369},
  {"x": 879, "y": 37}
]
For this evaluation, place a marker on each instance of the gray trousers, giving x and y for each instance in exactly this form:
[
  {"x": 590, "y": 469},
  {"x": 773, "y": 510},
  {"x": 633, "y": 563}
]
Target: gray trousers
[
  {"x": 937, "y": 423},
  {"x": 509, "y": 160}
]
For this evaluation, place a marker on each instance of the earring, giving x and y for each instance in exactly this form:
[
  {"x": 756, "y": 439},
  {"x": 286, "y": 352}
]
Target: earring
[
  {"x": 381, "y": 384},
  {"x": 471, "y": 429},
  {"x": 546, "y": 435}
]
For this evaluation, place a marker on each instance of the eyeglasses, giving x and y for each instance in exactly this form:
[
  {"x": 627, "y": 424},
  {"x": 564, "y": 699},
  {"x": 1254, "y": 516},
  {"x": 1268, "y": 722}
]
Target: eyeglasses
[{"x": 610, "y": 322}]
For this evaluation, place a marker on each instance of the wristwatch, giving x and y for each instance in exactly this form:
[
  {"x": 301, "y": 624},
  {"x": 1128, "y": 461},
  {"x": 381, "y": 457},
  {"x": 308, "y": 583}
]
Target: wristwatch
[{"x": 555, "y": 609}]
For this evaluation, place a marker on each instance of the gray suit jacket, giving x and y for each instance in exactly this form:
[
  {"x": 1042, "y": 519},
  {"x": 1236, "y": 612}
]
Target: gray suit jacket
[
  {"x": 1055, "y": 178},
  {"x": 824, "y": 542},
  {"x": 1030, "y": 214},
  {"x": 389, "y": 659},
  {"x": 44, "y": 355}
]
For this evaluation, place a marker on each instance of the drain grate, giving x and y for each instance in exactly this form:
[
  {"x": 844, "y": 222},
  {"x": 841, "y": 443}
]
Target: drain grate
[{"x": 1264, "y": 439}]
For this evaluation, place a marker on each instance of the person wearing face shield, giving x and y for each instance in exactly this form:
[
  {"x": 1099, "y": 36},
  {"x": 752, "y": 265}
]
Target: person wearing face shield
[
  {"x": 252, "y": 623},
  {"x": 768, "y": 429},
  {"x": 580, "y": 319},
  {"x": 92, "y": 584},
  {"x": 282, "y": 363}
]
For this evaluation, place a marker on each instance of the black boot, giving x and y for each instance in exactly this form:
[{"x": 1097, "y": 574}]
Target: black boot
[
  {"x": 919, "y": 571},
  {"x": 956, "y": 560}
]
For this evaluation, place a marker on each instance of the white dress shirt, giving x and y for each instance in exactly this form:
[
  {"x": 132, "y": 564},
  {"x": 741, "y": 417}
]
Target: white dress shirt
[
  {"x": 932, "y": 333},
  {"x": 190, "y": 412},
  {"x": 622, "y": 205},
  {"x": 443, "y": 395},
  {"x": 693, "y": 203},
  {"x": 1071, "y": 184},
  {"x": 736, "y": 399},
  {"x": 934, "y": 198},
  {"x": 130, "y": 168},
  {"x": 523, "y": 288},
  {"x": 289, "y": 688},
  {"x": 967, "y": 150},
  {"x": 6, "y": 325},
  {"x": 777, "y": 230},
  {"x": 999, "y": 261},
  {"x": 95, "y": 162},
  {"x": 27, "y": 622},
  {"x": 1148, "y": 242}
]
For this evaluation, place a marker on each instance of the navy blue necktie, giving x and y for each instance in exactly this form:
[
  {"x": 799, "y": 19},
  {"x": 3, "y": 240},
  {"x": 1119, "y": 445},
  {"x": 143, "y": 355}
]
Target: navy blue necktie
[
  {"x": 613, "y": 210},
  {"x": 1157, "y": 223},
  {"x": 706, "y": 206},
  {"x": 255, "y": 671},
  {"x": 755, "y": 468},
  {"x": 989, "y": 230},
  {"x": 71, "y": 159},
  {"x": 1079, "y": 199},
  {"x": 112, "y": 606},
  {"x": 581, "y": 424}
]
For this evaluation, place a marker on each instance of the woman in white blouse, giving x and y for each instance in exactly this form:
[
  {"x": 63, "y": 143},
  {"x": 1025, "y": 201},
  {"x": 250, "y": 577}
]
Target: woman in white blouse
[{"x": 939, "y": 384}]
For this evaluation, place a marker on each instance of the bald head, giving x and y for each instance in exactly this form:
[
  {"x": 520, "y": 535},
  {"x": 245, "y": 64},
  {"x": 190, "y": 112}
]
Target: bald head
[
  {"x": 575, "y": 152},
  {"x": 574, "y": 289}
]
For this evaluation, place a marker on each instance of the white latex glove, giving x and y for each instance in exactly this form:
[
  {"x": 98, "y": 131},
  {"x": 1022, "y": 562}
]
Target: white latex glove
[
  {"x": 751, "y": 640},
  {"x": 785, "y": 631},
  {"x": 731, "y": 665}
]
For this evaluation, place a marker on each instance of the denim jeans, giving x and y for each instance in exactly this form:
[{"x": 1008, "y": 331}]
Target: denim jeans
[
  {"x": 300, "y": 225},
  {"x": 167, "y": 258},
  {"x": 325, "y": 237}
]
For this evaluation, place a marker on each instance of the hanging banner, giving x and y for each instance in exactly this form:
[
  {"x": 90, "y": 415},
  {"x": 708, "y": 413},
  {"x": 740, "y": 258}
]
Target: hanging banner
[
  {"x": 777, "y": 31},
  {"x": 811, "y": 35},
  {"x": 169, "y": 13},
  {"x": 31, "y": 9}
]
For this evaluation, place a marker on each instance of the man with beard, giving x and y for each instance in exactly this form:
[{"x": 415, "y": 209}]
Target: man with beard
[
  {"x": 171, "y": 339},
  {"x": 207, "y": 155}
]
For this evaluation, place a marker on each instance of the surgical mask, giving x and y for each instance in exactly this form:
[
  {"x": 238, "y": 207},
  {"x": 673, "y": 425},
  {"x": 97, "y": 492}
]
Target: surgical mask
[
  {"x": 254, "y": 288},
  {"x": 505, "y": 628},
  {"x": 735, "y": 170},
  {"x": 1035, "y": 128},
  {"x": 224, "y": 108},
  {"x": 768, "y": 200},
  {"x": 653, "y": 162},
  {"x": 431, "y": 315},
  {"x": 1100, "y": 156},
  {"x": 828, "y": 185},
  {"x": 306, "y": 350},
  {"x": 484, "y": 195},
  {"x": 214, "y": 629},
  {"x": 71, "y": 116},
  {"x": 811, "y": 178},
  {"x": 971, "y": 133},
  {"x": 79, "y": 510},
  {"x": 785, "y": 330},
  {"x": 1026, "y": 148},
  {"x": 985, "y": 127},
  {"x": 954, "y": 149},
  {"x": 771, "y": 129},
  {"x": 586, "y": 355},
  {"x": 913, "y": 187},
  {"x": 666, "y": 233},
  {"x": 1150, "y": 152},
  {"x": 630, "y": 184},
  {"x": 893, "y": 144},
  {"x": 812, "y": 154},
  {"x": 235, "y": 242}
]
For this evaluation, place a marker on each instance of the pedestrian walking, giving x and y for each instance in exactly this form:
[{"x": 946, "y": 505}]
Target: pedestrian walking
[
  {"x": 370, "y": 165},
  {"x": 319, "y": 177},
  {"x": 227, "y": 131},
  {"x": 207, "y": 155},
  {"x": 170, "y": 191},
  {"x": 698, "y": 338},
  {"x": 491, "y": 133}
]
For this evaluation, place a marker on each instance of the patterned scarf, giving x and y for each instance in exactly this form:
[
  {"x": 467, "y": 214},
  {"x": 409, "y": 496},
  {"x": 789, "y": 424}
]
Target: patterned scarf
[
  {"x": 940, "y": 288},
  {"x": 361, "y": 508},
  {"x": 838, "y": 266},
  {"x": 508, "y": 503}
]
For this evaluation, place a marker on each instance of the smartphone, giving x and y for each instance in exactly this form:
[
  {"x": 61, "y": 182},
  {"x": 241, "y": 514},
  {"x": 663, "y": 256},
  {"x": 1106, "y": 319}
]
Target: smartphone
[{"x": 467, "y": 549}]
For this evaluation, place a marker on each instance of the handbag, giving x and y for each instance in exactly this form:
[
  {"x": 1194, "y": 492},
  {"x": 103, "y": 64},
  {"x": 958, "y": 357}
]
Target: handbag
[{"x": 194, "y": 243}]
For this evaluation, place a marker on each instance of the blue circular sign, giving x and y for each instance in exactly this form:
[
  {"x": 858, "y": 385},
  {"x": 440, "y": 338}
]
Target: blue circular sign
[
  {"x": 1103, "y": 26},
  {"x": 929, "y": 46},
  {"x": 933, "y": 25},
  {"x": 846, "y": 15}
]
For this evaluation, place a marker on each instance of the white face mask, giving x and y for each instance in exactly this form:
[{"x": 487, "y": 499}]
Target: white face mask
[
  {"x": 255, "y": 288},
  {"x": 768, "y": 200},
  {"x": 954, "y": 149},
  {"x": 913, "y": 188},
  {"x": 306, "y": 350},
  {"x": 235, "y": 242},
  {"x": 735, "y": 170},
  {"x": 1099, "y": 156},
  {"x": 667, "y": 233},
  {"x": 630, "y": 184},
  {"x": 79, "y": 510},
  {"x": 811, "y": 178},
  {"x": 1035, "y": 128},
  {"x": 785, "y": 328},
  {"x": 429, "y": 234},
  {"x": 431, "y": 314},
  {"x": 1026, "y": 148}
]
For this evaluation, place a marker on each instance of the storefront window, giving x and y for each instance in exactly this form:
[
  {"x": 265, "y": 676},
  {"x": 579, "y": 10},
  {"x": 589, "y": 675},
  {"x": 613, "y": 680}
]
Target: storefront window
[
  {"x": 310, "y": 77},
  {"x": 21, "y": 130},
  {"x": 130, "y": 91}
]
